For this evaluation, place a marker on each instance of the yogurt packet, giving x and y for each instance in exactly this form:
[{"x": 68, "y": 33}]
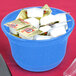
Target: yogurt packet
[
  {"x": 46, "y": 9},
  {"x": 22, "y": 14},
  {"x": 29, "y": 32},
  {"x": 16, "y": 25}
]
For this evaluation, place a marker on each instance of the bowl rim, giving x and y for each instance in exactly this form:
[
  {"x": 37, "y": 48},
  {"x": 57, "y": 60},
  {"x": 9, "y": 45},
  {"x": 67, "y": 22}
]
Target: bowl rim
[{"x": 4, "y": 30}]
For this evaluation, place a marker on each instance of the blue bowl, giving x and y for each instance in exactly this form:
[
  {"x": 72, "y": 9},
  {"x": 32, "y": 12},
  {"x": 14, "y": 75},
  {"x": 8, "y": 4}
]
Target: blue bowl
[{"x": 37, "y": 55}]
